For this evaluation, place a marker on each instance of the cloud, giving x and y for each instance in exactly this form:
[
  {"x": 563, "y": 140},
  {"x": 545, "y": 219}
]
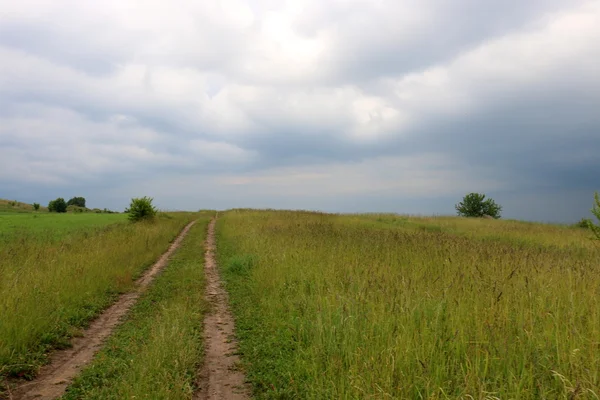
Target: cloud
[{"x": 301, "y": 100}]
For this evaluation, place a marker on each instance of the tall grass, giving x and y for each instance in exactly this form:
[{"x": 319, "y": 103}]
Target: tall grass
[
  {"x": 512, "y": 231},
  {"x": 156, "y": 352},
  {"x": 49, "y": 288},
  {"x": 331, "y": 307}
]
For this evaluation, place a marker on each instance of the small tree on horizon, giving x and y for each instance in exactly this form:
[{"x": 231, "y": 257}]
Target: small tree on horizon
[
  {"x": 76, "y": 201},
  {"x": 59, "y": 205},
  {"x": 36, "y": 206},
  {"x": 141, "y": 209},
  {"x": 475, "y": 205}
]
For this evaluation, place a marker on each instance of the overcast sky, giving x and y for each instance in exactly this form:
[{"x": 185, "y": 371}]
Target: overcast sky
[{"x": 337, "y": 105}]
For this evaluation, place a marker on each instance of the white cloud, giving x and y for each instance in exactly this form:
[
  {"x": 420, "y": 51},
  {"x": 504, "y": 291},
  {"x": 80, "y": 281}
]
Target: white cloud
[{"x": 221, "y": 152}]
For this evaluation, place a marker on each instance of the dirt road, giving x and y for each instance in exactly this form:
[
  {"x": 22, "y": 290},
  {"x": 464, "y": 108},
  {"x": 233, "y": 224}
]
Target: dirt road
[
  {"x": 54, "y": 378},
  {"x": 220, "y": 377}
]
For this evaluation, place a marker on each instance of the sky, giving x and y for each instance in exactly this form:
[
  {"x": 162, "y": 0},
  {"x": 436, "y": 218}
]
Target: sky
[{"x": 335, "y": 105}]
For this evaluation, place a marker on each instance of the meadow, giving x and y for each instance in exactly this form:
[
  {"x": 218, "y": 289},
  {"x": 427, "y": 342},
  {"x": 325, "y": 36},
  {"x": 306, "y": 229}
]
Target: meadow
[
  {"x": 52, "y": 226},
  {"x": 365, "y": 306},
  {"x": 386, "y": 306},
  {"x": 58, "y": 271}
]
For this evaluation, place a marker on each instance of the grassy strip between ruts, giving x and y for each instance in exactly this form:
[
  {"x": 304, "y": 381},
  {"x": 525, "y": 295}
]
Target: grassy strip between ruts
[
  {"x": 156, "y": 352},
  {"x": 330, "y": 309},
  {"x": 49, "y": 289}
]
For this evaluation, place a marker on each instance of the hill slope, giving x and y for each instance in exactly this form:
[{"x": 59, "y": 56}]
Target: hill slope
[{"x": 17, "y": 206}]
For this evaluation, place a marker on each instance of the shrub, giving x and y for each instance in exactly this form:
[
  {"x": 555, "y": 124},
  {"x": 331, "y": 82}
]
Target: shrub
[
  {"x": 76, "y": 201},
  {"x": 475, "y": 205},
  {"x": 141, "y": 209},
  {"x": 36, "y": 206},
  {"x": 583, "y": 223},
  {"x": 59, "y": 205},
  {"x": 596, "y": 212}
]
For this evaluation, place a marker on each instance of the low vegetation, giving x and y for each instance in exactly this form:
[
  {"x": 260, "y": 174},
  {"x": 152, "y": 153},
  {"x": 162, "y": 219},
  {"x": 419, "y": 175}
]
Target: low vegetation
[
  {"x": 157, "y": 351},
  {"x": 55, "y": 283},
  {"x": 392, "y": 307},
  {"x": 326, "y": 306},
  {"x": 14, "y": 206}
]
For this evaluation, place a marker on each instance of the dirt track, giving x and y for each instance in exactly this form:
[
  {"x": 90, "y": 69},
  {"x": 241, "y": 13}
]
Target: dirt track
[
  {"x": 220, "y": 378},
  {"x": 64, "y": 365}
]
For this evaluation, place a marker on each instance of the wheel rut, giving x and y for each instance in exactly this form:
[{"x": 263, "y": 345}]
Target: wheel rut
[
  {"x": 53, "y": 378},
  {"x": 220, "y": 377}
]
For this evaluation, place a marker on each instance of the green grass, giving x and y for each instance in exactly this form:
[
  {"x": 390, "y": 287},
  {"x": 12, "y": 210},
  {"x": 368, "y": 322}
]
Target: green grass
[
  {"x": 350, "y": 307},
  {"x": 44, "y": 226},
  {"x": 155, "y": 354},
  {"x": 512, "y": 231},
  {"x": 50, "y": 288}
]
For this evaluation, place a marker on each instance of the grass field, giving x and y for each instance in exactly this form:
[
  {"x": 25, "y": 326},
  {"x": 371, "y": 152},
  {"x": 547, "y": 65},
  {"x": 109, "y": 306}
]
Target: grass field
[
  {"x": 327, "y": 306},
  {"x": 510, "y": 231},
  {"x": 45, "y": 226},
  {"x": 156, "y": 352},
  {"x": 382, "y": 306},
  {"x": 52, "y": 283}
]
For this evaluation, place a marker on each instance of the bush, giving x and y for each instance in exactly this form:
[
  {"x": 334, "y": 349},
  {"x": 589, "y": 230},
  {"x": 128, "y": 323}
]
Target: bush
[
  {"x": 76, "y": 201},
  {"x": 36, "y": 206},
  {"x": 141, "y": 209},
  {"x": 475, "y": 205},
  {"x": 596, "y": 212},
  {"x": 59, "y": 205},
  {"x": 583, "y": 223}
]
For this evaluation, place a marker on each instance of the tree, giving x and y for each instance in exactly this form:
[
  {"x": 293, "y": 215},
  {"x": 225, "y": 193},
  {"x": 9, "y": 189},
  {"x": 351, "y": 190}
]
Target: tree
[
  {"x": 141, "y": 209},
  {"x": 596, "y": 212},
  {"x": 475, "y": 205},
  {"x": 76, "y": 201},
  {"x": 36, "y": 206},
  {"x": 59, "y": 205}
]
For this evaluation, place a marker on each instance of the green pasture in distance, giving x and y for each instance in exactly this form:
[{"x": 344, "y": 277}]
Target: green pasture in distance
[{"x": 54, "y": 224}]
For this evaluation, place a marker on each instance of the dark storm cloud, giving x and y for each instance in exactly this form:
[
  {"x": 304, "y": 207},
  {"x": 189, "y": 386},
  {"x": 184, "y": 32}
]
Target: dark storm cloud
[{"x": 376, "y": 42}]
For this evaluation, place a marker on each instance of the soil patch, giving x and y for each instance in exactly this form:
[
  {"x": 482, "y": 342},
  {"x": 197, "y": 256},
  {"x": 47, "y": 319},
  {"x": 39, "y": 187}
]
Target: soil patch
[{"x": 220, "y": 377}]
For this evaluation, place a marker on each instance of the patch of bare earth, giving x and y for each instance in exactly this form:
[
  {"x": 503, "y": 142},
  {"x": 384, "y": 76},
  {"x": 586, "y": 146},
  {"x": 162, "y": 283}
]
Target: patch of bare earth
[
  {"x": 53, "y": 379},
  {"x": 220, "y": 377}
]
